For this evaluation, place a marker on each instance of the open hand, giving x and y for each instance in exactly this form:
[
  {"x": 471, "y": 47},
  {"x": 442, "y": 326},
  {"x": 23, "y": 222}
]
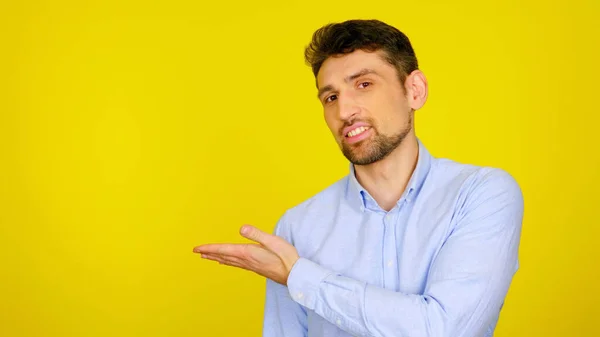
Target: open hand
[{"x": 271, "y": 256}]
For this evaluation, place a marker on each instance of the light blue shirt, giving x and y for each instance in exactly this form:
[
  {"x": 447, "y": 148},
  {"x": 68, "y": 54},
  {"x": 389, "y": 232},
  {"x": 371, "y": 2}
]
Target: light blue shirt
[{"x": 438, "y": 264}]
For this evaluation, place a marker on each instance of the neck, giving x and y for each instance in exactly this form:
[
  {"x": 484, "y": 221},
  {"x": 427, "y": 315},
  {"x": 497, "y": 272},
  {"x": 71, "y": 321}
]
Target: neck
[{"x": 386, "y": 180}]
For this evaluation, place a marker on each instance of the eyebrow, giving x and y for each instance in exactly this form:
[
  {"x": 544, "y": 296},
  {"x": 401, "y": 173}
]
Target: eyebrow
[{"x": 349, "y": 78}]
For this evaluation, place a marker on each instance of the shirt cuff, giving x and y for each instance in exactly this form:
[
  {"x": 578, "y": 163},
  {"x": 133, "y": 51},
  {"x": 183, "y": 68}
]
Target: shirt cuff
[{"x": 303, "y": 282}]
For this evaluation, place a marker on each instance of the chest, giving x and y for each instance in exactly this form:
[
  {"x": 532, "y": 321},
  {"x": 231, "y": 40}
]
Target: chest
[{"x": 393, "y": 250}]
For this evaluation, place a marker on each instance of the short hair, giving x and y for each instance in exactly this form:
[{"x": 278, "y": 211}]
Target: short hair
[{"x": 336, "y": 39}]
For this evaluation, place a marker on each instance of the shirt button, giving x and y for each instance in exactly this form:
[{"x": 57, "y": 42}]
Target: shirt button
[
  {"x": 338, "y": 322},
  {"x": 299, "y": 296},
  {"x": 390, "y": 263}
]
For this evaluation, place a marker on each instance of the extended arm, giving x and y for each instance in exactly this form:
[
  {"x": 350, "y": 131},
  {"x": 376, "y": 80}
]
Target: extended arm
[{"x": 465, "y": 289}]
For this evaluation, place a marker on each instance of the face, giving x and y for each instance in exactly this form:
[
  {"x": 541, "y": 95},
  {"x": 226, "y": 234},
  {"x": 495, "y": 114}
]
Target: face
[{"x": 366, "y": 107}]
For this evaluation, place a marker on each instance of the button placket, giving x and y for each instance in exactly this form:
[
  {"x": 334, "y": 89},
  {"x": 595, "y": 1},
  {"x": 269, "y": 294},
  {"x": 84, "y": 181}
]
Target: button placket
[{"x": 389, "y": 248}]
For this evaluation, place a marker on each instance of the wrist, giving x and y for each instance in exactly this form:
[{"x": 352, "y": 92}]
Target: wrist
[{"x": 289, "y": 265}]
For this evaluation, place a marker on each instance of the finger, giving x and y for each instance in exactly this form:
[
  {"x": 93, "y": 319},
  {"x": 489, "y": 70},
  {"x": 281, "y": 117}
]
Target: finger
[
  {"x": 272, "y": 242},
  {"x": 226, "y": 261},
  {"x": 220, "y": 248},
  {"x": 255, "y": 234},
  {"x": 233, "y": 259}
]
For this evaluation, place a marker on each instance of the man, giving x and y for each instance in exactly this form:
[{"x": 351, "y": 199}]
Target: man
[{"x": 406, "y": 244}]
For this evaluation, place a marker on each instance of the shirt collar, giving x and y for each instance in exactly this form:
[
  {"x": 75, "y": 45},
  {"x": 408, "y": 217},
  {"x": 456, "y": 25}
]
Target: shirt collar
[{"x": 360, "y": 198}]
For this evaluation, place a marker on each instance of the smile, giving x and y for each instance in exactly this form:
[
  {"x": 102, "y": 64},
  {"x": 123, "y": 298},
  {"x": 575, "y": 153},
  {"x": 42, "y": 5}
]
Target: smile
[{"x": 357, "y": 131}]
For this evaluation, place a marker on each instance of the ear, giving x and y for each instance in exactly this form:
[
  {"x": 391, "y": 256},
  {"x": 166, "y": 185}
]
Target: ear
[{"x": 416, "y": 89}]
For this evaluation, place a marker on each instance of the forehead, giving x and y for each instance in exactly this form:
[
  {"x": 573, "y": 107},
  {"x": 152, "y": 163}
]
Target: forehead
[{"x": 336, "y": 68}]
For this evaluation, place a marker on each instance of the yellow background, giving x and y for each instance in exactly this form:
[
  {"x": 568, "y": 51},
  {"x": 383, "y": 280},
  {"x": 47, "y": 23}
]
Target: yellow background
[{"x": 129, "y": 133}]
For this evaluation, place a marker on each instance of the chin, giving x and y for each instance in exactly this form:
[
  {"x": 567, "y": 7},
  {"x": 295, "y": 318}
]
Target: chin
[{"x": 360, "y": 157}]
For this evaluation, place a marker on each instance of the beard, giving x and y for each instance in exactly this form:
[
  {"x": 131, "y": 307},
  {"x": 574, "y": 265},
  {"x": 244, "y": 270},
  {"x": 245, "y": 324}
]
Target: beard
[{"x": 376, "y": 148}]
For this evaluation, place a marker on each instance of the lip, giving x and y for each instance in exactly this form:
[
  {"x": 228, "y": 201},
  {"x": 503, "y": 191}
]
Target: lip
[{"x": 359, "y": 137}]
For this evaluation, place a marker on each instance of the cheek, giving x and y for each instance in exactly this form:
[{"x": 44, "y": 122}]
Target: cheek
[
  {"x": 331, "y": 122},
  {"x": 391, "y": 120},
  {"x": 396, "y": 110}
]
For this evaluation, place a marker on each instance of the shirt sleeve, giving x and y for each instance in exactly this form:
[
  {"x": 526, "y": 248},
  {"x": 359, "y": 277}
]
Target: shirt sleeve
[
  {"x": 466, "y": 285},
  {"x": 283, "y": 317}
]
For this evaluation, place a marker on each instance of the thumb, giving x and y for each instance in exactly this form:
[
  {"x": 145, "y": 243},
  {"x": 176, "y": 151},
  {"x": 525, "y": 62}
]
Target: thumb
[{"x": 270, "y": 241}]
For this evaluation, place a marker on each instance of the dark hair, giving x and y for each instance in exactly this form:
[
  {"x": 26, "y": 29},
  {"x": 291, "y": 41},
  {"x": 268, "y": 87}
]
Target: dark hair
[{"x": 369, "y": 35}]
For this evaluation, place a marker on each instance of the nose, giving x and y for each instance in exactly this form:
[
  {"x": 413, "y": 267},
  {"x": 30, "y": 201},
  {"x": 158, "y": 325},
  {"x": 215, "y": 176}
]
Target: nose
[{"x": 348, "y": 107}]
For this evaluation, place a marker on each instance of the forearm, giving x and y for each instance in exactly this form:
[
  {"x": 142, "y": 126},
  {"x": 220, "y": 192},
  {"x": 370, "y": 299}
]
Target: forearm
[
  {"x": 367, "y": 310},
  {"x": 356, "y": 307}
]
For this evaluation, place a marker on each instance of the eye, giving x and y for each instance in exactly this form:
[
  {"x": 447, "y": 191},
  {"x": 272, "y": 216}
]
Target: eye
[
  {"x": 330, "y": 98},
  {"x": 364, "y": 84}
]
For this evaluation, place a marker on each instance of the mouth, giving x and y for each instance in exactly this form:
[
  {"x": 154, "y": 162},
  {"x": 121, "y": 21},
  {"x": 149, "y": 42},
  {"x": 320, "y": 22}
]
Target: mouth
[
  {"x": 357, "y": 134},
  {"x": 357, "y": 131}
]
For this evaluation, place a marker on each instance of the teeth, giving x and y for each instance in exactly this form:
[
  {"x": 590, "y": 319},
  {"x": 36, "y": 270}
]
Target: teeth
[{"x": 357, "y": 131}]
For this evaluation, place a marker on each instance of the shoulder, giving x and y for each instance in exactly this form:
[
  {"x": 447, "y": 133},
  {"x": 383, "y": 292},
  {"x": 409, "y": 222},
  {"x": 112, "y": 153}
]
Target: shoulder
[
  {"x": 473, "y": 178},
  {"x": 467, "y": 187},
  {"x": 480, "y": 192},
  {"x": 322, "y": 199}
]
